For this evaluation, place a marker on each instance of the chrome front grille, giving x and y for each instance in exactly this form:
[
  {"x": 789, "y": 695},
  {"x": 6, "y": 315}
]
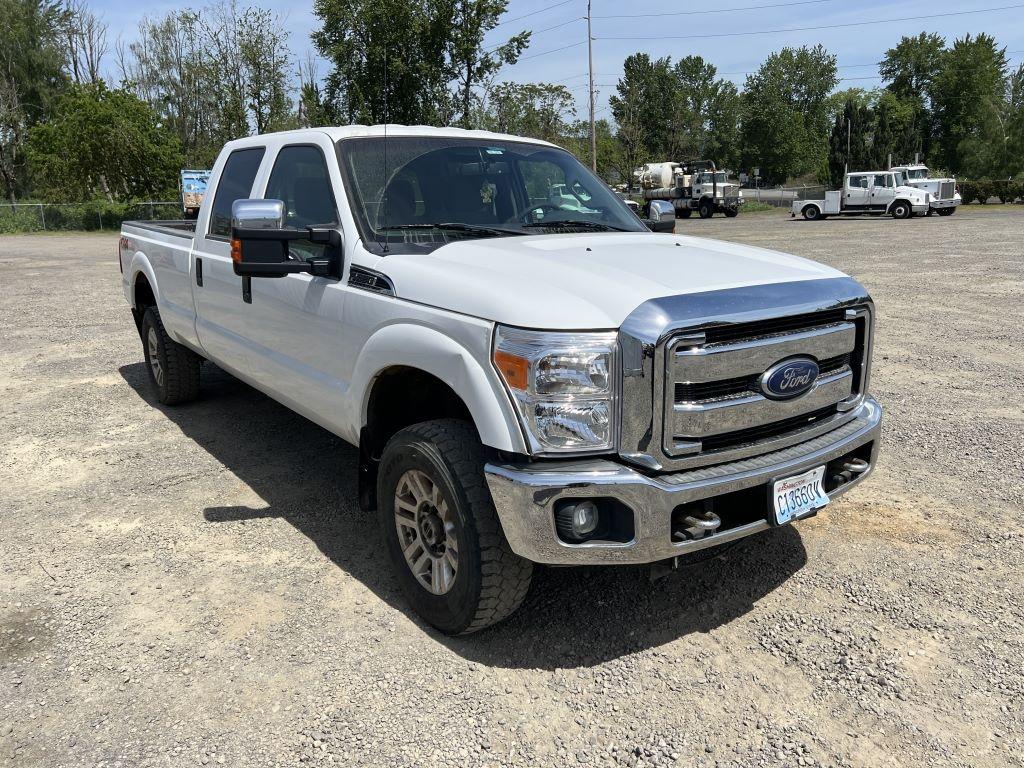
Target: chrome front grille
[
  {"x": 946, "y": 190},
  {"x": 690, "y": 365},
  {"x": 714, "y": 403}
]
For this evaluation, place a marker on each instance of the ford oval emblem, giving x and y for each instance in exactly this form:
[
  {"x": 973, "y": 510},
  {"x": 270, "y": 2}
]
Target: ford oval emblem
[{"x": 789, "y": 378}]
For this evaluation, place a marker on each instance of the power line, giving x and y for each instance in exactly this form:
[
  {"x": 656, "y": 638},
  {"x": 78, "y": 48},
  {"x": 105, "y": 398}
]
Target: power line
[
  {"x": 553, "y": 50},
  {"x": 533, "y": 13},
  {"x": 534, "y": 32},
  {"x": 716, "y": 10},
  {"x": 811, "y": 29}
]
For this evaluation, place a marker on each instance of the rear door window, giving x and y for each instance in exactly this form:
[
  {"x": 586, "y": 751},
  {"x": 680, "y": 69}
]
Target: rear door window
[{"x": 235, "y": 183}]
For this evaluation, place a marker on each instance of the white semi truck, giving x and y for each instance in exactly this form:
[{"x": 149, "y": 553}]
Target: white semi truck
[
  {"x": 524, "y": 382},
  {"x": 944, "y": 195},
  {"x": 867, "y": 192},
  {"x": 693, "y": 186}
]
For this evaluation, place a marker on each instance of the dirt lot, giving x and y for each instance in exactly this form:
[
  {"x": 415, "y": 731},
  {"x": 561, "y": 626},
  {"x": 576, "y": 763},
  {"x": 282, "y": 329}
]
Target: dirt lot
[{"x": 197, "y": 586}]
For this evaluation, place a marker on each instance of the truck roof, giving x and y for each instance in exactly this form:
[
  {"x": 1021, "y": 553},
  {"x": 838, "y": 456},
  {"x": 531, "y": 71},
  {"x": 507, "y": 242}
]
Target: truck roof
[
  {"x": 915, "y": 167},
  {"x": 336, "y": 133}
]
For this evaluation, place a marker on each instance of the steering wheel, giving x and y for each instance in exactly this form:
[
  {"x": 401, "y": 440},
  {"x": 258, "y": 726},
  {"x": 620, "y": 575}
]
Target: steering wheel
[{"x": 528, "y": 217}]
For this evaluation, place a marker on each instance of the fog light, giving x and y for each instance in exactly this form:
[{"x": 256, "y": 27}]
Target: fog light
[{"x": 577, "y": 521}]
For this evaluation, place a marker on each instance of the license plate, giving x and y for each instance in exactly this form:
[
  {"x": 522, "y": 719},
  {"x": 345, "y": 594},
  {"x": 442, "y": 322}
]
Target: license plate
[{"x": 798, "y": 496}]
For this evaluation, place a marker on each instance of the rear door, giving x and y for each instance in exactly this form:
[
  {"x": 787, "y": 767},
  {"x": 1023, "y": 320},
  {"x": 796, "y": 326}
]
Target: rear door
[
  {"x": 858, "y": 194},
  {"x": 218, "y": 290}
]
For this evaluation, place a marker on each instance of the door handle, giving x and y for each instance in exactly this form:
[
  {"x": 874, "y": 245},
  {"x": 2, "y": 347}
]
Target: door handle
[{"x": 199, "y": 272}]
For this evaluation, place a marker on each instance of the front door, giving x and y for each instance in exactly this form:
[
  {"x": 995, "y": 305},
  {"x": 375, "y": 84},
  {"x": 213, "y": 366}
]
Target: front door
[{"x": 294, "y": 325}]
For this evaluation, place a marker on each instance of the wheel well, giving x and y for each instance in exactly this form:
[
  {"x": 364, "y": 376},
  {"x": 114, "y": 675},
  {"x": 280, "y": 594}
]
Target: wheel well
[
  {"x": 810, "y": 205},
  {"x": 144, "y": 298},
  {"x": 401, "y": 396}
]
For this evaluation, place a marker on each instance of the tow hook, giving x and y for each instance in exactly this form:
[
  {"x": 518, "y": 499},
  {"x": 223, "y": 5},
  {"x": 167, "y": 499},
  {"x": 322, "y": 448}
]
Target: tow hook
[
  {"x": 697, "y": 526},
  {"x": 848, "y": 470}
]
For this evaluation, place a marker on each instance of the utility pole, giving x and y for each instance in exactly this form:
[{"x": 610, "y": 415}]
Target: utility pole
[
  {"x": 846, "y": 166},
  {"x": 593, "y": 130}
]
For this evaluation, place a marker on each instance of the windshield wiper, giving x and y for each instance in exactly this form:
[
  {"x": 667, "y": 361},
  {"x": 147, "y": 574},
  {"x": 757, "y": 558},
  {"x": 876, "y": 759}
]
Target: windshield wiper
[
  {"x": 595, "y": 225},
  {"x": 456, "y": 226}
]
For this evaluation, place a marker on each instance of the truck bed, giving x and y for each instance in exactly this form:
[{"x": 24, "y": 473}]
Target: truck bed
[{"x": 175, "y": 227}]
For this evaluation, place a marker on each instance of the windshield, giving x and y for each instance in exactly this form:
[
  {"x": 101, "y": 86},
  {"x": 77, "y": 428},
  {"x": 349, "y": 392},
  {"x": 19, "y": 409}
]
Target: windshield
[
  {"x": 900, "y": 180},
  {"x": 917, "y": 173},
  {"x": 433, "y": 190}
]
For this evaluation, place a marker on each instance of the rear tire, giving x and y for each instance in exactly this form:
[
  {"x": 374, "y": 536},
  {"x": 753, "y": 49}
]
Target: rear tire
[
  {"x": 731, "y": 213},
  {"x": 706, "y": 209},
  {"x": 173, "y": 369},
  {"x": 683, "y": 213},
  {"x": 811, "y": 213},
  {"x": 442, "y": 532}
]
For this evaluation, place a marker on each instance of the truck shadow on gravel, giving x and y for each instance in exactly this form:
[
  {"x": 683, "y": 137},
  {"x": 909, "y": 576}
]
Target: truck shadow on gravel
[{"x": 573, "y": 617}]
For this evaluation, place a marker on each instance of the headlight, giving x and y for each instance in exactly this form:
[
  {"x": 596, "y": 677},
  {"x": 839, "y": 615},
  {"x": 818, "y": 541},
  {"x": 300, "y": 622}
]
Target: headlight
[{"x": 563, "y": 385}]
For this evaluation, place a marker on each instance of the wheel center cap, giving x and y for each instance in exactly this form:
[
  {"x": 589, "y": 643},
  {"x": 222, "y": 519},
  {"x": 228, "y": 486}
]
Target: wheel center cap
[{"x": 431, "y": 529}]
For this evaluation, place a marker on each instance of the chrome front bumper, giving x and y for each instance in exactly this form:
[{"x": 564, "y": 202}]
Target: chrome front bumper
[
  {"x": 525, "y": 495},
  {"x": 936, "y": 204}
]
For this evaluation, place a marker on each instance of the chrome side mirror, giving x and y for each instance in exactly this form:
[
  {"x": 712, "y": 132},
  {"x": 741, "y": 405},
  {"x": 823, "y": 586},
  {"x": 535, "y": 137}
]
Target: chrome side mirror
[
  {"x": 257, "y": 214},
  {"x": 661, "y": 216}
]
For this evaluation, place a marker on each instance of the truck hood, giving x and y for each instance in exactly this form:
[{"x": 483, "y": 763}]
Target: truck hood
[{"x": 584, "y": 281}]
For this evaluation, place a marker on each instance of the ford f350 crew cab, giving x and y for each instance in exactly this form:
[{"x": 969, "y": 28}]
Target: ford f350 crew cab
[
  {"x": 525, "y": 382},
  {"x": 867, "y": 192}
]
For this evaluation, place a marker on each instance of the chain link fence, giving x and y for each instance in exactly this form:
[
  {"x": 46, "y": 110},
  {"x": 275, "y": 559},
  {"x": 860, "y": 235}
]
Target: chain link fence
[
  {"x": 783, "y": 197},
  {"x": 57, "y": 217}
]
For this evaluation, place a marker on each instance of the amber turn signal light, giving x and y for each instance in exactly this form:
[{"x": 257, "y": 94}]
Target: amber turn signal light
[
  {"x": 236, "y": 251},
  {"x": 514, "y": 369}
]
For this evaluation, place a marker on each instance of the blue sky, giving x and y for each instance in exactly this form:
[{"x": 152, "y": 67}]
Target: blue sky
[{"x": 857, "y": 47}]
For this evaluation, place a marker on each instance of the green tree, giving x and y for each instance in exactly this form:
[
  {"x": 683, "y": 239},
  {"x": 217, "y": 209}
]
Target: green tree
[
  {"x": 853, "y": 129},
  {"x": 786, "y": 120},
  {"x": 213, "y": 75},
  {"x": 706, "y": 114},
  {"x": 897, "y": 129},
  {"x": 644, "y": 106},
  {"x": 32, "y": 56},
  {"x": 538, "y": 110},
  {"x": 471, "y": 64},
  {"x": 105, "y": 143},
  {"x": 1014, "y": 142},
  {"x": 968, "y": 96},
  {"x": 910, "y": 67},
  {"x": 418, "y": 61}
]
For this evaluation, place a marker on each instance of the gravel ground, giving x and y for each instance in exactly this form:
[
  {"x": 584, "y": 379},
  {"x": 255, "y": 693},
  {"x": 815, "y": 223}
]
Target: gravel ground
[{"x": 197, "y": 586}]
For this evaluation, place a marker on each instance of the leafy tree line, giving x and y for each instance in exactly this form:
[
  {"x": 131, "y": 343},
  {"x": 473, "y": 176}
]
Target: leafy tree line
[{"x": 83, "y": 119}]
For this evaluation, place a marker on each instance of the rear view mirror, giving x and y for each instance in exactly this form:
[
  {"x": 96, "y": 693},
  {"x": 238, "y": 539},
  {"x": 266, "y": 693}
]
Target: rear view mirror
[
  {"x": 661, "y": 216},
  {"x": 260, "y": 242}
]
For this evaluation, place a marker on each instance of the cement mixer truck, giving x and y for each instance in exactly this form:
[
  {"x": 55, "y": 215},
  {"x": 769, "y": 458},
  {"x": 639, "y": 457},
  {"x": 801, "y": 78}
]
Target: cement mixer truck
[{"x": 696, "y": 185}]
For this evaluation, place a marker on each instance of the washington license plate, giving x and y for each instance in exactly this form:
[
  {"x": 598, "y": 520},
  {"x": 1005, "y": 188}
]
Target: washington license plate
[{"x": 797, "y": 496}]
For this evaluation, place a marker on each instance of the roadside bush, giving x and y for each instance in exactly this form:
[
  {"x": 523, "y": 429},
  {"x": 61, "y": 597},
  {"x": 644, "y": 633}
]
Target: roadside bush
[
  {"x": 19, "y": 220},
  {"x": 87, "y": 216},
  {"x": 981, "y": 190}
]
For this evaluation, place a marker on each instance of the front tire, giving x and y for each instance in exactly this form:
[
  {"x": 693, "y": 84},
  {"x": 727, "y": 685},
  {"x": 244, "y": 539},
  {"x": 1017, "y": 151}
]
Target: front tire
[
  {"x": 442, "y": 532},
  {"x": 901, "y": 210},
  {"x": 173, "y": 369},
  {"x": 946, "y": 211}
]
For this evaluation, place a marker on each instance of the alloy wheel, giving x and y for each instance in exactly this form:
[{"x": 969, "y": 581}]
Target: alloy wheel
[
  {"x": 153, "y": 347},
  {"x": 426, "y": 532}
]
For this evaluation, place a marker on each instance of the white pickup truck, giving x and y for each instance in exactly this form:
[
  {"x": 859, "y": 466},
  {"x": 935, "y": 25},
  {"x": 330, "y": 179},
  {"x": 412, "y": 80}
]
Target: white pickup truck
[
  {"x": 867, "y": 192},
  {"x": 525, "y": 383}
]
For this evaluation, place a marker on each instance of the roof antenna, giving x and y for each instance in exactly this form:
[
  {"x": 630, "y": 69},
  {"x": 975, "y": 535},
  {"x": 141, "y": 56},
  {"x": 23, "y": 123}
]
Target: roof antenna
[{"x": 384, "y": 192}]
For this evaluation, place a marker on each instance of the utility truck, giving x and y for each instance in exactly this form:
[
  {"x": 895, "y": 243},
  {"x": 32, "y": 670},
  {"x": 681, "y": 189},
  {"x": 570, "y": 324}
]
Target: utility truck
[
  {"x": 867, "y": 192},
  {"x": 944, "y": 195},
  {"x": 693, "y": 186},
  {"x": 525, "y": 382}
]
